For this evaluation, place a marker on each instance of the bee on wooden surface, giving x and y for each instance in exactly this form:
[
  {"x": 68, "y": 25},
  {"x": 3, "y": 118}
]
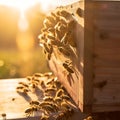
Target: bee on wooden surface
[
  {"x": 50, "y": 90},
  {"x": 65, "y": 97},
  {"x": 13, "y": 99},
  {"x": 23, "y": 84},
  {"x": 65, "y": 14},
  {"x": 48, "y": 74},
  {"x": 4, "y": 116},
  {"x": 20, "y": 87},
  {"x": 64, "y": 51},
  {"x": 48, "y": 98},
  {"x": 65, "y": 105},
  {"x": 52, "y": 104},
  {"x": 58, "y": 100},
  {"x": 34, "y": 103},
  {"x": 89, "y": 118},
  {"x": 50, "y": 82},
  {"x": 68, "y": 67},
  {"x": 45, "y": 117},
  {"x": 48, "y": 109},
  {"x": 42, "y": 84},
  {"x": 51, "y": 19},
  {"x": 29, "y": 78},
  {"x": 59, "y": 93},
  {"x": 38, "y": 75},
  {"x": 47, "y": 23},
  {"x": 30, "y": 111}
]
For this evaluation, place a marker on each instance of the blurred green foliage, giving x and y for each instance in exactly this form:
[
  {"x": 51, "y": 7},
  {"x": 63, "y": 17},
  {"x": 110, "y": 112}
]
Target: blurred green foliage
[{"x": 12, "y": 65}]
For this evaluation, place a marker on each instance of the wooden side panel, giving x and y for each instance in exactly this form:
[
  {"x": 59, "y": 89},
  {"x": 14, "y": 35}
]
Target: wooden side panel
[
  {"x": 106, "y": 56},
  {"x": 72, "y": 82},
  {"x": 88, "y": 56}
]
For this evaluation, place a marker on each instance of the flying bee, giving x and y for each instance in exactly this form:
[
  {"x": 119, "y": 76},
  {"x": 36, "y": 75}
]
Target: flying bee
[{"x": 68, "y": 67}]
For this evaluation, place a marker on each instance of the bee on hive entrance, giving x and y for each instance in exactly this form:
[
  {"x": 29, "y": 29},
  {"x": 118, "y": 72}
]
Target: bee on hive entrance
[{"x": 67, "y": 65}]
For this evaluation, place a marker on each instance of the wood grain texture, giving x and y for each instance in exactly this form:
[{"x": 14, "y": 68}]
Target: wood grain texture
[
  {"x": 14, "y": 109},
  {"x": 106, "y": 57}
]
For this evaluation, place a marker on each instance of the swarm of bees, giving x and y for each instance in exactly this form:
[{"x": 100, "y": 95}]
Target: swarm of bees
[
  {"x": 58, "y": 33},
  {"x": 55, "y": 102}
]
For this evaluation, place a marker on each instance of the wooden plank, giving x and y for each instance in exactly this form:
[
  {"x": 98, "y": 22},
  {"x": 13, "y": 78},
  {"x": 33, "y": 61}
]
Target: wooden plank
[
  {"x": 105, "y": 108},
  {"x": 73, "y": 82},
  {"x": 88, "y": 58},
  {"x": 14, "y": 109}
]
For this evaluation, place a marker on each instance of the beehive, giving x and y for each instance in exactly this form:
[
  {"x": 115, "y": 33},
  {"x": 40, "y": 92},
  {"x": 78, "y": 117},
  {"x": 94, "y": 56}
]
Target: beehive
[{"x": 95, "y": 84}]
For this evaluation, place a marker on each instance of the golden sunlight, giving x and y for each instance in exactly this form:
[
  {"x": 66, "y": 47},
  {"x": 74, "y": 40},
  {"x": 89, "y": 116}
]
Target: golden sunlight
[{"x": 23, "y": 5}]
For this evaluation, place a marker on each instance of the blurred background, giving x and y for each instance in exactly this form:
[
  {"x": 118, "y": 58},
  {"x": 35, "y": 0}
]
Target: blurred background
[{"x": 20, "y": 25}]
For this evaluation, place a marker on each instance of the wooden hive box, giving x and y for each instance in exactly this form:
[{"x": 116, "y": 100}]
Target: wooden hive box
[{"x": 95, "y": 85}]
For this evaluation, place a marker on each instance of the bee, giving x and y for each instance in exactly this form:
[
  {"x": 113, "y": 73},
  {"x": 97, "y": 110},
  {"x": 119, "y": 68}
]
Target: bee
[
  {"x": 30, "y": 111},
  {"x": 50, "y": 90},
  {"x": 60, "y": 116},
  {"x": 48, "y": 98},
  {"x": 68, "y": 67},
  {"x": 20, "y": 87},
  {"x": 13, "y": 99},
  {"x": 51, "y": 19},
  {"x": 47, "y": 23},
  {"x": 29, "y": 78},
  {"x": 48, "y": 108},
  {"x": 34, "y": 103},
  {"x": 51, "y": 82},
  {"x": 42, "y": 84},
  {"x": 23, "y": 84},
  {"x": 38, "y": 75},
  {"x": 4, "y": 116},
  {"x": 65, "y": 14},
  {"x": 58, "y": 100},
  {"x": 65, "y": 97},
  {"x": 64, "y": 51},
  {"x": 51, "y": 30},
  {"x": 65, "y": 105},
  {"x": 44, "y": 117},
  {"x": 48, "y": 74},
  {"x": 89, "y": 118},
  {"x": 59, "y": 93}
]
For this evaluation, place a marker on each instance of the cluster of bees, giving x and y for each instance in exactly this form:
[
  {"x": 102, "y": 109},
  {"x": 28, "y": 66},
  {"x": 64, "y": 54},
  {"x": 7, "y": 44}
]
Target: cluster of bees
[
  {"x": 55, "y": 103},
  {"x": 58, "y": 33}
]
